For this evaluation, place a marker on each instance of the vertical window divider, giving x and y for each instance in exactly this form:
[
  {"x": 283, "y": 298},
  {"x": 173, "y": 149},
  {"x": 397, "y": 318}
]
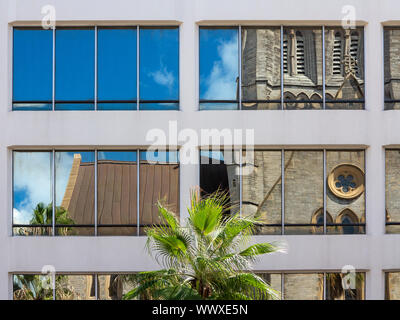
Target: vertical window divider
[
  {"x": 53, "y": 283},
  {"x": 283, "y": 191},
  {"x": 95, "y": 68},
  {"x": 281, "y": 67},
  {"x": 53, "y": 98},
  {"x": 96, "y": 289},
  {"x": 138, "y": 191},
  {"x": 95, "y": 192},
  {"x": 323, "y": 70},
  {"x": 240, "y": 66},
  {"x": 324, "y": 287},
  {"x": 282, "y": 286},
  {"x": 53, "y": 191},
  {"x": 324, "y": 199},
  {"x": 137, "y": 76},
  {"x": 240, "y": 180}
]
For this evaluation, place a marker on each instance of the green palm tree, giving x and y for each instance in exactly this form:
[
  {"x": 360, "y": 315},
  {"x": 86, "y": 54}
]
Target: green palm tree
[{"x": 206, "y": 259}]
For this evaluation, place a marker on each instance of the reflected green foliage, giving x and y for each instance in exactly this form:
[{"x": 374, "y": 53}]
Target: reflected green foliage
[
  {"x": 206, "y": 259},
  {"x": 38, "y": 287},
  {"x": 43, "y": 215}
]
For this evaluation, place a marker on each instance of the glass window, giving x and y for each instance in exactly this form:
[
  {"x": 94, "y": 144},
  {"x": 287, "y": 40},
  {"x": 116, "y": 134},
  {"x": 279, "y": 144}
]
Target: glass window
[
  {"x": 344, "y": 68},
  {"x": 219, "y": 68},
  {"x": 392, "y": 70},
  {"x": 345, "y": 197},
  {"x": 392, "y": 285},
  {"x": 159, "y": 68},
  {"x": 32, "y": 287},
  {"x": 340, "y": 286},
  {"x": 262, "y": 189},
  {"x": 219, "y": 172},
  {"x": 392, "y": 191},
  {"x": 306, "y": 286},
  {"x": 117, "y": 193},
  {"x": 114, "y": 286},
  {"x": 74, "y": 185},
  {"x": 116, "y": 68},
  {"x": 304, "y": 190},
  {"x": 75, "y": 287},
  {"x": 32, "y": 193},
  {"x": 75, "y": 68},
  {"x": 32, "y": 69},
  {"x": 261, "y": 71},
  {"x": 274, "y": 280},
  {"x": 302, "y": 76},
  {"x": 158, "y": 181}
]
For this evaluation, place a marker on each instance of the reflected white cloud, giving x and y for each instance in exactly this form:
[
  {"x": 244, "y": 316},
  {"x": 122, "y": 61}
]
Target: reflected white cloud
[
  {"x": 32, "y": 180},
  {"x": 221, "y": 83},
  {"x": 164, "y": 77}
]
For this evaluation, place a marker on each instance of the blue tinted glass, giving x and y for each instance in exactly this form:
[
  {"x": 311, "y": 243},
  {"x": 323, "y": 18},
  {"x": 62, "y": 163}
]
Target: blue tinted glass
[
  {"x": 159, "y": 106},
  {"x": 33, "y": 66},
  {"x": 117, "y": 155},
  {"x": 74, "y": 66},
  {"x": 219, "y": 64},
  {"x": 116, "y": 64},
  {"x": 32, "y": 176},
  {"x": 160, "y": 156},
  {"x": 159, "y": 64}
]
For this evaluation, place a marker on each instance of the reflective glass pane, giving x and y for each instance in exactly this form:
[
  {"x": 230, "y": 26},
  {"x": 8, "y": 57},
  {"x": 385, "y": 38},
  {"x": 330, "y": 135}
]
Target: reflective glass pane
[
  {"x": 344, "y": 68},
  {"x": 304, "y": 190},
  {"x": 75, "y": 69},
  {"x": 32, "y": 198},
  {"x": 345, "y": 192},
  {"x": 274, "y": 280},
  {"x": 219, "y": 68},
  {"x": 302, "y": 69},
  {"x": 116, "y": 68},
  {"x": 32, "y": 69},
  {"x": 262, "y": 189},
  {"x": 306, "y": 286},
  {"x": 261, "y": 71},
  {"x": 219, "y": 172},
  {"x": 392, "y": 190},
  {"x": 75, "y": 287},
  {"x": 340, "y": 286},
  {"x": 32, "y": 287},
  {"x": 159, "y": 181},
  {"x": 159, "y": 68},
  {"x": 117, "y": 193},
  {"x": 392, "y": 68},
  {"x": 392, "y": 285},
  {"x": 75, "y": 192},
  {"x": 114, "y": 286}
]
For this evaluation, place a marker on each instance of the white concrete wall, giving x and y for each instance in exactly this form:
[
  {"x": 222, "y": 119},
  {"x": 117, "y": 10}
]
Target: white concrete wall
[{"x": 372, "y": 128}]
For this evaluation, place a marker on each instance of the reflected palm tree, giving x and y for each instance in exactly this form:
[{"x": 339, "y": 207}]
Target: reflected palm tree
[
  {"x": 43, "y": 215},
  {"x": 37, "y": 287}
]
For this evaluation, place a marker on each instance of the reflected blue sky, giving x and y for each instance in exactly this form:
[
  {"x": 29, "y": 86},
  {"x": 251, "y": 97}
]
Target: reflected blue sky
[
  {"x": 31, "y": 183},
  {"x": 75, "y": 64},
  {"x": 159, "y": 64},
  {"x": 219, "y": 63},
  {"x": 160, "y": 156},
  {"x": 116, "y": 64},
  {"x": 33, "y": 67},
  {"x": 128, "y": 156},
  {"x": 117, "y": 68}
]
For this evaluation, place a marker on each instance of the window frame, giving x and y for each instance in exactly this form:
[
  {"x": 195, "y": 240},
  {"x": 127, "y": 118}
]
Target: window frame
[
  {"x": 96, "y": 224},
  {"x": 361, "y": 225},
  {"x": 282, "y": 101},
  {"x": 95, "y": 102}
]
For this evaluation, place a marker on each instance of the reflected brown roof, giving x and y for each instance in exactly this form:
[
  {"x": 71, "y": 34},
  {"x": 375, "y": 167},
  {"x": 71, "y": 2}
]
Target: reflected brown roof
[{"x": 117, "y": 192}]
